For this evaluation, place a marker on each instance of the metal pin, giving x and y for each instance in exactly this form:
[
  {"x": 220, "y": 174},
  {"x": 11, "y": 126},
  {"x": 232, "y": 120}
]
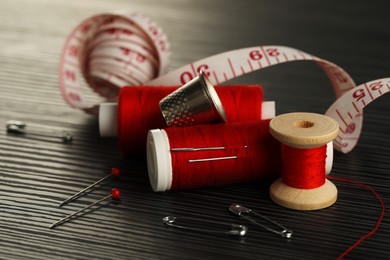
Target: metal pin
[
  {"x": 197, "y": 149},
  {"x": 114, "y": 172},
  {"x": 239, "y": 210},
  {"x": 18, "y": 127},
  {"x": 115, "y": 193},
  {"x": 235, "y": 229},
  {"x": 191, "y": 149},
  {"x": 213, "y": 159}
]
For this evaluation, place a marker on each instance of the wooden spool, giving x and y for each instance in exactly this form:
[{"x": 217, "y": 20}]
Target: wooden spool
[{"x": 303, "y": 131}]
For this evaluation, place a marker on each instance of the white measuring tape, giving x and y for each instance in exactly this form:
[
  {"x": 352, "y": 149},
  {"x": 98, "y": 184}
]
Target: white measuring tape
[{"x": 109, "y": 51}]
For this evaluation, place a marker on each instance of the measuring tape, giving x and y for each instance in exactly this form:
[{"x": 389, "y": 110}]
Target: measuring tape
[{"x": 109, "y": 51}]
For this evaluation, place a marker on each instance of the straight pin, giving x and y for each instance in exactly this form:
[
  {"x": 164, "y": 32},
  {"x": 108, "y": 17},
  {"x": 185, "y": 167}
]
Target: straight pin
[
  {"x": 241, "y": 210},
  {"x": 191, "y": 149},
  {"x": 115, "y": 193},
  {"x": 213, "y": 159},
  {"x": 197, "y": 149},
  {"x": 114, "y": 172},
  {"x": 18, "y": 127}
]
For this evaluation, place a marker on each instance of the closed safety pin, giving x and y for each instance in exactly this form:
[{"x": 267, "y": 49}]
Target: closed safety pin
[
  {"x": 239, "y": 210},
  {"x": 235, "y": 229},
  {"x": 18, "y": 127}
]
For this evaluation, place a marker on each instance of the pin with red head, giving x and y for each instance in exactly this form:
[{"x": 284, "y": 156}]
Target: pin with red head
[
  {"x": 114, "y": 172},
  {"x": 115, "y": 195}
]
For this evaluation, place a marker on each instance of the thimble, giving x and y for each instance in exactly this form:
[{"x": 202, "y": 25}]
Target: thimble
[{"x": 194, "y": 103}]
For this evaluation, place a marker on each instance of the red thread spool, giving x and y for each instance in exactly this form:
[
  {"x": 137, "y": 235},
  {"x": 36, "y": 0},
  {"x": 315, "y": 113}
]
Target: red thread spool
[
  {"x": 172, "y": 165},
  {"x": 303, "y": 185},
  {"x": 139, "y": 111}
]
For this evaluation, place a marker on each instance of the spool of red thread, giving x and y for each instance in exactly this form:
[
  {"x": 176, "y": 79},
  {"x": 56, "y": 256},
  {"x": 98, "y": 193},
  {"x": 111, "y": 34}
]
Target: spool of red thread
[
  {"x": 303, "y": 185},
  {"x": 213, "y": 155},
  {"x": 138, "y": 111}
]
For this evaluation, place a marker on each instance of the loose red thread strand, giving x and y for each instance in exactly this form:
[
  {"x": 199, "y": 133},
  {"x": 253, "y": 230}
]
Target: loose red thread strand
[
  {"x": 379, "y": 221},
  {"x": 139, "y": 111},
  {"x": 258, "y": 154},
  {"x": 303, "y": 168}
]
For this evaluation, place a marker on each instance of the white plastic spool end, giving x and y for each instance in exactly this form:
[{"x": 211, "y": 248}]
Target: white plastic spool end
[
  {"x": 108, "y": 119},
  {"x": 159, "y": 160}
]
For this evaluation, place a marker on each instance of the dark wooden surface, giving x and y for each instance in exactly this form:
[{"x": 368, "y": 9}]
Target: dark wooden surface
[{"x": 36, "y": 174}]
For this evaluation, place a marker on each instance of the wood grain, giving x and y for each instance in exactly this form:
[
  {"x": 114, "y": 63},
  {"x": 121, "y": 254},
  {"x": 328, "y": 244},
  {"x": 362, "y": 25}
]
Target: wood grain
[{"x": 36, "y": 174}]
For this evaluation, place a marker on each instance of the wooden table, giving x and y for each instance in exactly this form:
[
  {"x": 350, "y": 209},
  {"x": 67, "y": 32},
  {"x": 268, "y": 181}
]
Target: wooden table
[{"x": 36, "y": 174}]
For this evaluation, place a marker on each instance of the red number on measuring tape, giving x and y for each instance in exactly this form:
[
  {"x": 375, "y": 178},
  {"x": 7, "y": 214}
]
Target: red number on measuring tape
[
  {"x": 163, "y": 45},
  {"x": 125, "y": 51},
  {"x": 255, "y": 55},
  {"x": 71, "y": 75},
  {"x": 376, "y": 85},
  {"x": 350, "y": 128},
  {"x": 153, "y": 30},
  {"x": 127, "y": 32},
  {"x": 273, "y": 52},
  {"x": 140, "y": 58},
  {"x": 359, "y": 94},
  {"x": 74, "y": 97},
  {"x": 187, "y": 76},
  {"x": 73, "y": 51}
]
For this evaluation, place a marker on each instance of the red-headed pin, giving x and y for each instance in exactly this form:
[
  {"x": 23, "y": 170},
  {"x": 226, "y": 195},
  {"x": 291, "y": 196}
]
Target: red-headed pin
[
  {"x": 114, "y": 172},
  {"x": 115, "y": 194}
]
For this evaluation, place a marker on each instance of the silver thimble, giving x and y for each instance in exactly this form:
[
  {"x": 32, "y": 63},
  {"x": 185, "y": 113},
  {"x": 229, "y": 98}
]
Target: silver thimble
[{"x": 195, "y": 103}]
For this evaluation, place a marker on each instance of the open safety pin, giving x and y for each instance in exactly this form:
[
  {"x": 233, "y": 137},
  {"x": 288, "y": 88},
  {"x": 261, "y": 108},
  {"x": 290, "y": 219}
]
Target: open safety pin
[
  {"x": 241, "y": 210},
  {"x": 18, "y": 127},
  {"x": 235, "y": 229}
]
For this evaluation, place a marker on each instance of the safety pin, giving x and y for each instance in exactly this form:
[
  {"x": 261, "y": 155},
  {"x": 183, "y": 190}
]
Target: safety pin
[
  {"x": 239, "y": 210},
  {"x": 235, "y": 229},
  {"x": 18, "y": 127}
]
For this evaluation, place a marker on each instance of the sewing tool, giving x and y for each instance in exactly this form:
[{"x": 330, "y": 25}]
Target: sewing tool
[
  {"x": 303, "y": 185},
  {"x": 194, "y": 103},
  {"x": 134, "y": 111},
  {"x": 116, "y": 29},
  {"x": 242, "y": 211},
  {"x": 211, "y": 155},
  {"x": 19, "y": 127},
  {"x": 349, "y": 106},
  {"x": 145, "y": 61},
  {"x": 138, "y": 111},
  {"x": 235, "y": 229},
  {"x": 114, "y": 172},
  {"x": 115, "y": 193}
]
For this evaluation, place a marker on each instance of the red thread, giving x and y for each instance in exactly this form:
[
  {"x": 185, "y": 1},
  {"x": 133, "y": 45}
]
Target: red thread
[
  {"x": 258, "y": 154},
  {"x": 379, "y": 221},
  {"x": 139, "y": 111},
  {"x": 303, "y": 168}
]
